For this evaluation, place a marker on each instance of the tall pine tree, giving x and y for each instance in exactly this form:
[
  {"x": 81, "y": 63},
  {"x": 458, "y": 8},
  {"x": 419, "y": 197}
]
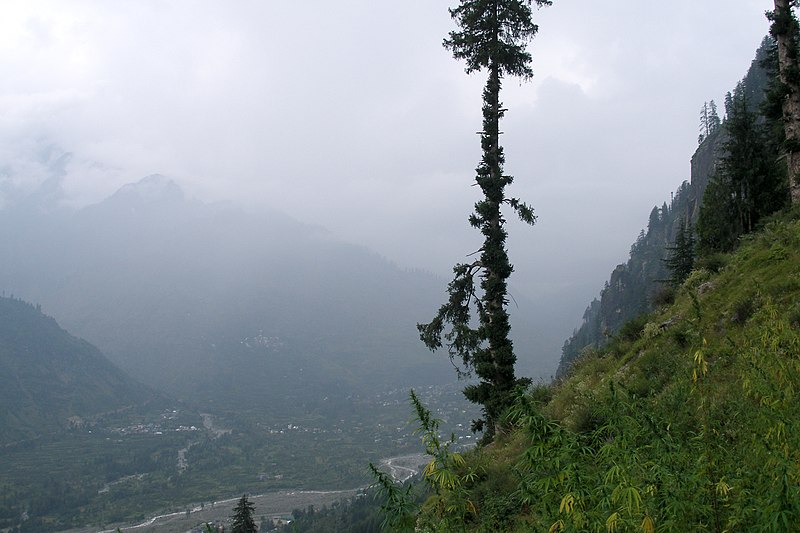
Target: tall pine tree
[
  {"x": 786, "y": 32},
  {"x": 492, "y": 36},
  {"x": 748, "y": 185},
  {"x": 242, "y": 518},
  {"x": 681, "y": 258}
]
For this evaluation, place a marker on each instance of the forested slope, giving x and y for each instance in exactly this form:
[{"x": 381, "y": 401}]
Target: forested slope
[{"x": 50, "y": 380}]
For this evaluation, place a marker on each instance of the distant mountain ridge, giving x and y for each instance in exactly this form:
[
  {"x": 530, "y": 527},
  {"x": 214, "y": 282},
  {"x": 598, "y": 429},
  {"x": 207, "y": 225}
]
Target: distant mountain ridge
[
  {"x": 174, "y": 291},
  {"x": 50, "y": 380}
]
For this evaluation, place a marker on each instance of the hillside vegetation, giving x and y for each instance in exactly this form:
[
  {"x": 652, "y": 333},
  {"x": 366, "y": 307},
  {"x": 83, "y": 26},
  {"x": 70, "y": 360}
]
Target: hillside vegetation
[
  {"x": 686, "y": 421},
  {"x": 50, "y": 380}
]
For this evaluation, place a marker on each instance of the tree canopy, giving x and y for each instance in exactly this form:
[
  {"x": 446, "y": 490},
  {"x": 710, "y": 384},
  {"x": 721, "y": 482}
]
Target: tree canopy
[{"x": 242, "y": 518}]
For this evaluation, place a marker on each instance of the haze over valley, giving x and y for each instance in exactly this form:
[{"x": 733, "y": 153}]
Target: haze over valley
[{"x": 226, "y": 230}]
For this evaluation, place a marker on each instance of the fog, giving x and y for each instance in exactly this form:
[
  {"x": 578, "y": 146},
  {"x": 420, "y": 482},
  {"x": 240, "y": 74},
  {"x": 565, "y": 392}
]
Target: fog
[{"x": 351, "y": 116}]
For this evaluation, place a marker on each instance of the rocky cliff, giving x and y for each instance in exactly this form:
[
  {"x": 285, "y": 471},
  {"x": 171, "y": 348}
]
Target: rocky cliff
[{"x": 633, "y": 285}]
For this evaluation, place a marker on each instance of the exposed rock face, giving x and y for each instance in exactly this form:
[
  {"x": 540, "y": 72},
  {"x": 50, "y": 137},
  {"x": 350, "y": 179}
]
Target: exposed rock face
[{"x": 704, "y": 164}]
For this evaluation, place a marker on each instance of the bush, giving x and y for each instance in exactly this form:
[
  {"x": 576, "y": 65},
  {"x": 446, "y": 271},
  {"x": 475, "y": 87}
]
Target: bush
[
  {"x": 680, "y": 336},
  {"x": 541, "y": 393},
  {"x": 588, "y": 418},
  {"x": 743, "y": 309},
  {"x": 713, "y": 262},
  {"x": 794, "y": 316},
  {"x": 632, "y": 329},
  {"x": 664, "y": 296}
]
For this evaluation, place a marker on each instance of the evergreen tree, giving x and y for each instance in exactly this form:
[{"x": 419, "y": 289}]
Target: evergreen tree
[
  {"x": 717, "y": 226},
  {"x": 704, "y": 123},
  {"x": 242, "y": 518},
  {"x": 681, "y": 260},
  {"x": 757, "y": 183},
  {"x": 714, "y": 121},
  {"x": 749, "y": 183},
  {"x": 709, "y": 120},
  {"x": 492, "y": 35},
  {"x": 786, "y": 32}
]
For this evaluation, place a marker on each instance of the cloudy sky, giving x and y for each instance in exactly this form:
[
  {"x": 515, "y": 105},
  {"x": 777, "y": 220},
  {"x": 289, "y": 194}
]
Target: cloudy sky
[{"x": 351, "y": 115}]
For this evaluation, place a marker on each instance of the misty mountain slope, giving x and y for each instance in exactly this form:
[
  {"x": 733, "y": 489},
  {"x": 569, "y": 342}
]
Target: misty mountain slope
[
  {"x": 218, "y": 305},
  {"x": 633, "y": 285},
  {"x": 48, "y": 376}
]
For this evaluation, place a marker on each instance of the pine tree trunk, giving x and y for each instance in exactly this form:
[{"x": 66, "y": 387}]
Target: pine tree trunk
[
  {"x": 498, "y": 370},
  {"x": 789, "y": 70}
]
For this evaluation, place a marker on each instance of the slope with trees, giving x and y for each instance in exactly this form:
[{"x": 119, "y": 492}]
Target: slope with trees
[
  {"x": 687, "y": 423},
  {"x": 51, "y": 381},
  {"x": 722, "y": 159},
  {"x": 748, "y": 185}
]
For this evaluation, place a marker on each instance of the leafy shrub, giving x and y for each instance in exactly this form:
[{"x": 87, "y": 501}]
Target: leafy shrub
[
  {"x": 778, "y": 253},
  {"x": 713, "y": 262},
  {"x": 794, "y": 316},
  {"x": 588, "y": 418},
  {"x": 743, "y": 309},
  {"x": 633, "y": 328},
  {"x": 664, "y": 296},
  {"x": 541, "y": 393},
  {"x": 680, "y": 336},
  {"x": 697, "y": 278},
  {"x": 651, "y": 330}
]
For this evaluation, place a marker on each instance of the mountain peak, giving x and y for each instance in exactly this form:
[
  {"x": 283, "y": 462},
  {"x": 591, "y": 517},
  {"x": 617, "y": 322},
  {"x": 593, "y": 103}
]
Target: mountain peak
[{"x": 154, "y": 188}]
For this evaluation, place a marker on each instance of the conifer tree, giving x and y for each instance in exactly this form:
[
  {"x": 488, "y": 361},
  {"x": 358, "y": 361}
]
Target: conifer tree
[
  {"x": 243, "y": 521},
  {"x": 714, "y": 121},
  {"x": 709, "y": 120},
  {"x": 748, "y": 185},
  {"x": 704, "y": 123},
  {"x": 492, "y": 36},
  {"x": 786, "y": 32},
  {"x": 681, "y": 259}
]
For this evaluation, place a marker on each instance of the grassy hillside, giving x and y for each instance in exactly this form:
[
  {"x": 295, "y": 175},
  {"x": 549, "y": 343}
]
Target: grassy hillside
[{"x": 686, "y": 421}]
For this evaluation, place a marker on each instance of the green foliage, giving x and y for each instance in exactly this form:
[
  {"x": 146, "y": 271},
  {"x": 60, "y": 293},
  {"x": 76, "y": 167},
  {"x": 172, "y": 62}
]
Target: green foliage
[
  {"x": 399, "y": 507},
  {"x": 742, "y": 309},
  {"x": 242, "y": 518},
  {"x": 681, "y": 259},
  {"x": 632, "y": 287},
  {"x": 492, "y": 35},
  {"x": 360, "y": 514},
  {"x": 446, "y": 477},
  {"x": 664, "y": 296},
  {"x": 693, "y": 427},
  {"x": 48, "y": 376},
  {"x": 633, "y": 328},
  {"x": 713, "y": 262},
  {"x": 749, "y": 185},
  {"x": 709, "y": 120}
]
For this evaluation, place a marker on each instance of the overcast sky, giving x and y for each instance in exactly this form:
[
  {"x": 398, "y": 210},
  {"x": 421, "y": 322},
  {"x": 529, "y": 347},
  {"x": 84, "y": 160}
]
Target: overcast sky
[{"x": 351, "y": 115}]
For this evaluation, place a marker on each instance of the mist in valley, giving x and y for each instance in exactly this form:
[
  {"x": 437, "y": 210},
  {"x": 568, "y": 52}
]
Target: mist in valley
[{"x": 247, "y": 208}]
